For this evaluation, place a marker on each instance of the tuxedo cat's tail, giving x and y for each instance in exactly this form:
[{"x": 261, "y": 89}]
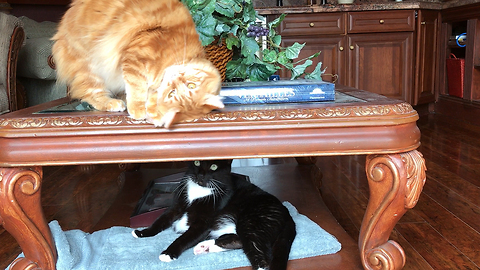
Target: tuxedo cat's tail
[{"x": 282, "y": 246}]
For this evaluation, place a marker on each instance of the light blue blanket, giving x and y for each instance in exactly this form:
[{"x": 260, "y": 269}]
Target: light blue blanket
[{"x": 116, "y": 248}]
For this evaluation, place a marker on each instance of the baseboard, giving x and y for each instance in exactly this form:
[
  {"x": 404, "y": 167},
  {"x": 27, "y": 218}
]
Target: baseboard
[
  {"x": 458, "y": 108},
  {"x": 424, "y": 109}
]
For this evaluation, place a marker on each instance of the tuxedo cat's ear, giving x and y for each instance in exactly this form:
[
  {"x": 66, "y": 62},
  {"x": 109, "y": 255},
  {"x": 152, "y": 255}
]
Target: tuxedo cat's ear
[
  {"x": 214, "y": 101},
  {"x": 167, "y": 119}
]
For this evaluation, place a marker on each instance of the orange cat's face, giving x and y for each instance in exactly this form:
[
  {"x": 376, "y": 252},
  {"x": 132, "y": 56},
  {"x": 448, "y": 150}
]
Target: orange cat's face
[{"x": 185, "y": 92}]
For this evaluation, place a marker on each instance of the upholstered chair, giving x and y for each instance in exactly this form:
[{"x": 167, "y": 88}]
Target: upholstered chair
[
  {"x": 36, "y": 71},
  {"x": 12, "y": 37}
]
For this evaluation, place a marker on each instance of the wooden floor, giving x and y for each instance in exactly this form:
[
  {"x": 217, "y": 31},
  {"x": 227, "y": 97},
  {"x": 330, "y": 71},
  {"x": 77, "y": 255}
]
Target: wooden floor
[{"x": 441, "y": 232}]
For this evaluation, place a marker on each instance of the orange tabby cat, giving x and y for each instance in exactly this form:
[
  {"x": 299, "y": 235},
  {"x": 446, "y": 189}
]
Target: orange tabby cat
[{"x": 148, "y": 50}]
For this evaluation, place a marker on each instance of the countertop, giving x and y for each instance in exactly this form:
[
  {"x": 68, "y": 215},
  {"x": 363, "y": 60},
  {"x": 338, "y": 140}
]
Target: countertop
[{"x": 364, "y": 7}]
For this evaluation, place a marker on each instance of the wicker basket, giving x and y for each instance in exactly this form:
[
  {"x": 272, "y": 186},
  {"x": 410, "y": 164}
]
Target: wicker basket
[{"x": 219, "y": 56}]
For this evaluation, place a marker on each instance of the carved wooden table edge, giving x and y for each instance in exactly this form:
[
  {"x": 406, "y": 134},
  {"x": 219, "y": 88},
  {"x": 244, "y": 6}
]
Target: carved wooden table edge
[{"x": 396, "y": 174}]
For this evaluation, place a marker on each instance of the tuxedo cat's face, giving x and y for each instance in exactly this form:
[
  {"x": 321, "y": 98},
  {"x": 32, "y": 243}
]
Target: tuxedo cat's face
[{"x": 205, "y": 172}]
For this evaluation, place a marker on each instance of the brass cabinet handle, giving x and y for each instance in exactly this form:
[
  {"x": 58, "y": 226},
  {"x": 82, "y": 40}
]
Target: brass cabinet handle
[
  {"x": 382, "y": 21},
  {"x": 422, "y": 23},
  {"x": 351, "y": 47},
  {"x": 341, "y": 48},
  {"x": 311, "y": 24}
]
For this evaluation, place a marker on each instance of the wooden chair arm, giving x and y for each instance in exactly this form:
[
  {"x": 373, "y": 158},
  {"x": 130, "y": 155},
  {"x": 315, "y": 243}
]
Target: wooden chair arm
[
  {"x": 51, "y": 61},
  {"x": 16, "y": 96}
]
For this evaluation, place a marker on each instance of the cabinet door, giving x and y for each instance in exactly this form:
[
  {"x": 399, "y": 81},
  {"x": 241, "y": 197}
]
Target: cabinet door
[
  {"x": 426, "y": 63},
  {"x": 332, "y": 54},
  {"x": 381, "y": 63}
]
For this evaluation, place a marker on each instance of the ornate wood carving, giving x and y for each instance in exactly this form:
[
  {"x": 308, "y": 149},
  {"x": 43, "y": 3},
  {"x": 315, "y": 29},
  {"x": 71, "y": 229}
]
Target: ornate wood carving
[
  {"x": 22, "y": 216},
  {"x": 335, "y": 112},
  {"x": 395, "y": 182},
  {"x": 369, "y": 124}
]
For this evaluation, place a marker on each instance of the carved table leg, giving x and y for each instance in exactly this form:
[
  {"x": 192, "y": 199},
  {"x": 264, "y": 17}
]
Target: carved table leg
[
  {"x": 396, "y": 181},
  {"x": 22, "y": 216}
]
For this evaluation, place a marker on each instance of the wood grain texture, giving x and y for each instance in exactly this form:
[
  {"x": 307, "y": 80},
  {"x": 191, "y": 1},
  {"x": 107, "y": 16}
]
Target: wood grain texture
[
  {"x": 382, "y": 128},
  {"x": 344, "y": 189},
  {"x": 375, "y": 124},
  {"x": 441, "y": 231}
]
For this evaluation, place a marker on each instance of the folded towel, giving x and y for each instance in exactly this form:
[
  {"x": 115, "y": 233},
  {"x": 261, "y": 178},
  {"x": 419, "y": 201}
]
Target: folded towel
[{"x": 115, "y": 248}]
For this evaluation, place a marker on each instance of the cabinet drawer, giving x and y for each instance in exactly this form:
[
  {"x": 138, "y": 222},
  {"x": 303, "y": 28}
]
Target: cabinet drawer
[
  {"x": 313, "y": 24},
  {"x": 381, "y": 21}
]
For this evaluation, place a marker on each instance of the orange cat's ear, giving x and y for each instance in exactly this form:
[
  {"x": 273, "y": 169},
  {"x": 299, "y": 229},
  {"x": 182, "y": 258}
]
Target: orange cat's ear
[
  {"x": 167, "y": 119},
  {"x": 214, "y": 101}
]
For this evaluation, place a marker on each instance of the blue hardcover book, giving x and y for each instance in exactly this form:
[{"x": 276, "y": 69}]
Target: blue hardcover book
[{"x": 281, "y": 91}]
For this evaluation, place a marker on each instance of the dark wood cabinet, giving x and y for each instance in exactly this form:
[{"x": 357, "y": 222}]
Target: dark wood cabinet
[
  {"x": 426, "y": 56},
  {"x": 324, "y": 32},
  {"x": 387, "y": 52},
  {"x": 333, "y": 57},
  {"x": 381, "y": 63}
]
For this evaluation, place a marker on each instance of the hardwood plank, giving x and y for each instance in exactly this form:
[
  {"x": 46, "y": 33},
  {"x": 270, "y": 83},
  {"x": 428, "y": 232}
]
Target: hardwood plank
[
  {"x": 453, "y": 202},
  {"x": 414, "y": 261},
  {"x": 468, "y": 172},
  {"x": 340, "y": 215},
  {"x": 9, "y": 249},
  {"x": 448, "y": 226},
  {"x": 438, "y": 252},
  {"x": 354, "y": 169},
  {"x": 448, "y": 179},
  {"x": 352, "y": 201},
  {"x": 453, "y": 147}
]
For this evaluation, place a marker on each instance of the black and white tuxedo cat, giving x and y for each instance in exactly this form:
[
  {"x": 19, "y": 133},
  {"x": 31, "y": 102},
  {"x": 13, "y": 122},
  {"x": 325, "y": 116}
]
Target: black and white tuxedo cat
[{"x": 214, "y": 211}]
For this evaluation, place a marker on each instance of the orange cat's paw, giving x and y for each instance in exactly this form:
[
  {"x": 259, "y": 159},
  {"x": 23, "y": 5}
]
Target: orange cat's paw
[
  {"x": 115, "y": 105},
  {"x": 152, "y": 113},
  {"x": 165, "y": 121},
  {"x": 155, "y": 119},
  {"x": 137, "y": 110}
]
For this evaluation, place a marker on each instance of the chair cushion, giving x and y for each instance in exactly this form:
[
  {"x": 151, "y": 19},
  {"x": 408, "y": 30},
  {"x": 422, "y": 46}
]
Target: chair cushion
[
  {"x": 3, "y": 100},
  {"x": 34, "y": 29},
  {"x": 7, "y": 25},
  {"x": 33, "y": 59}
]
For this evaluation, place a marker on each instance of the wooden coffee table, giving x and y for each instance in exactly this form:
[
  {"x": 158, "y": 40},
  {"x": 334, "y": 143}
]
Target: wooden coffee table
[{"x": 358, "y": 122}]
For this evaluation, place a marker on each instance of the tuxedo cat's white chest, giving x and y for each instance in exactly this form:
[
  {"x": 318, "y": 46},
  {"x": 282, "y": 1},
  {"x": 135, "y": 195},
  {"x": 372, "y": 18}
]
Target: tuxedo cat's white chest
[{"x": 195, "y": 191}]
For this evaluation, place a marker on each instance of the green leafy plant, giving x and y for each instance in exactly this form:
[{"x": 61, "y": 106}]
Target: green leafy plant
[{"x": 233, "y": 22}]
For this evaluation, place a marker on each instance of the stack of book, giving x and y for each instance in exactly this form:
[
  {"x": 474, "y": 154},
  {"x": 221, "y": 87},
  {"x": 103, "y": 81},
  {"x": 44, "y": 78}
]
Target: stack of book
[{"x": 280, "y": 91}]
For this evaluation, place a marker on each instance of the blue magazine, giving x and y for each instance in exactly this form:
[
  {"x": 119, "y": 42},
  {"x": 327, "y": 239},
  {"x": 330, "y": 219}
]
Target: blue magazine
[{"x": 281, "y": 91}]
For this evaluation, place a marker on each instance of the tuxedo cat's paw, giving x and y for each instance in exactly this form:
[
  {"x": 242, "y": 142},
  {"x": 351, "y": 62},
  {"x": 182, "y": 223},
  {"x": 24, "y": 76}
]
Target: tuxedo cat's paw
[
  {"x": 206, "y": 247},
  {"x": 141, "y": 234},
  {"x": 115, "y": 105},
  {"x": 166, "y": 258}
]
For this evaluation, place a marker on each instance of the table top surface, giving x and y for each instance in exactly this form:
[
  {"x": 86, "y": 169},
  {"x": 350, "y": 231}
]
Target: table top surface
[{"x": 358, "y": 122}]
